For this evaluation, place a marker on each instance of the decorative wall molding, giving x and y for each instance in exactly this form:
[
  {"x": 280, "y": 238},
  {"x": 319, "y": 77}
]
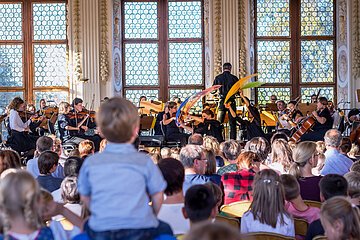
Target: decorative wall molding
[
  {"x": 104, "y": 53},
  {"x": 356, "y": 38},
  {"x": 207, "y": 48},
  {"x": 217, "y": 36},
  {"x": 242, "y": 37}
]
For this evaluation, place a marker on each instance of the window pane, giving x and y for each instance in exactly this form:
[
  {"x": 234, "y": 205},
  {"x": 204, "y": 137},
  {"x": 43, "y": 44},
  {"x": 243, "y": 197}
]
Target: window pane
[
  {"x": 264, "y": 94},
  {"x": 140, "y": 19},
  {"x": 52, "y": 98},
  {"x": 134, "y": 95},
  {"x": 185, "y": 19},
  {"x": 317, "y": 61},
  {"x": 185, "y": 60},
  {"x": 317, "y": 17},
  {"x": 273, "y": 18},
  {"x": 49, "y": 21},
  {"x": 306, "y": 93},
  {"x": 11, "y": 69},
  {"x": 50, "y": 65},
  {"x": 273, "y": 59},
  {"x": 10, "y": 22},
  {"x": 183, "y": 94},
  {"x": 141, "y": 64}
]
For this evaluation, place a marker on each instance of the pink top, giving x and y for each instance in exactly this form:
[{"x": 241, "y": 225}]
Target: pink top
[{"x": 310, "y": 214}]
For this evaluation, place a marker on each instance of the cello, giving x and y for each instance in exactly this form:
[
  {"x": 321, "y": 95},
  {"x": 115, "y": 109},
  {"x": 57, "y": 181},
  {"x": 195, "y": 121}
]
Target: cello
[{"x": 305, "y": 127}]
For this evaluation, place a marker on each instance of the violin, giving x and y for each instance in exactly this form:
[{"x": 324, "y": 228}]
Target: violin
[{"x": 81, "y": 115}]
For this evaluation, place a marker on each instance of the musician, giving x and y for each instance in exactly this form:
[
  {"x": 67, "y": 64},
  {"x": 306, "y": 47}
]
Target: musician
[
  {"x": 282, "y": 125},
  {"x": 42, "y": 104},
  {"x": 273, "y": 98},
  {"x": 314, "y": 98},
  {"x": 19, "y": 139},
  {"x": 88, "y": 129},
  {"x": 253, "y": 125},
  {"x": 34, "y": 125},
  {"x": 226, "y": 80},
  {"x": 158, "y": 127},
  {"x": 293, "y": 116},
  {"x": 323, "y": 122},
  {"x": 173, "y": 132},
  {"x": 208, "y": 125}
]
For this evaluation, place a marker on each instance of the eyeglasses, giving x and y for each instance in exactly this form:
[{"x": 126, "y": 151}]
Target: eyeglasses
[{"x": 205, "y": 160}]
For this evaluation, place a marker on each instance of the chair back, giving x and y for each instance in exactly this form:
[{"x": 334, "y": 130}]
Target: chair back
[
  {"x": 233, "y": 222},
  {"x": 301, "y": 226},
  {"x": 265, "y": 236},
  {"x": 312, "y": 203},
  {"x": 320, "y": 237},
  {"x": 236, "y": 209}
]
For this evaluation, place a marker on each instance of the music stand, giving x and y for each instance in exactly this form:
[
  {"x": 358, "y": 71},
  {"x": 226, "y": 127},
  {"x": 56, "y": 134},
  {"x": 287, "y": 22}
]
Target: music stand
[
  {"x": 307, "y": 108},
  {"x": 271, "y": 107}
]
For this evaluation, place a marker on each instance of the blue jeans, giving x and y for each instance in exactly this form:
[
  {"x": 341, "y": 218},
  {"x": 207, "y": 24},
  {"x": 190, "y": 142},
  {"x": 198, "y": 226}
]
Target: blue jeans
[{"x": 129, "y": 234}]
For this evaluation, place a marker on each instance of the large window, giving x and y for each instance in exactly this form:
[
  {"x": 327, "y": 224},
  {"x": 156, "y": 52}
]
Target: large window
[
  {"x": 33, "y": 49},
  {"x": 162, "y": 48},
  {"x": 295, "y": 48}
]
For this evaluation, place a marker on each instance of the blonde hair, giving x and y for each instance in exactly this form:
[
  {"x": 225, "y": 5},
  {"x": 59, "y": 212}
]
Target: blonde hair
[
  {"x": 320, "y": 146},
  {"x": 339, "y": 208},
  {"x": 165, "y": 152},
  {"x": 268, "y": 191},
  {"x": 303, "y": 152},
  {"x": 15, "y": 103},
  {"x": 260, "y": 146},
  {"x": 86, "y": 147},
  {"x": 117, "y": 120},
  {"x": 211, "y": 143},
  {"x": 19, "y": 197},
  {"x": 63, "y": 106},
  {"x": 102, "y": 145},
  {"x": 247, "y": 159},
  {"x": 282, "y": 153},
  {"x": 353, "y": 180}
]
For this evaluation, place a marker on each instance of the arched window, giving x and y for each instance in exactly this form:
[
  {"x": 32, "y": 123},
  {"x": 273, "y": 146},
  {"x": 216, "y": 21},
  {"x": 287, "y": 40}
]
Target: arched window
[
  {"x": 295, "y": 45},
  {"x": 162, "y": 48}
]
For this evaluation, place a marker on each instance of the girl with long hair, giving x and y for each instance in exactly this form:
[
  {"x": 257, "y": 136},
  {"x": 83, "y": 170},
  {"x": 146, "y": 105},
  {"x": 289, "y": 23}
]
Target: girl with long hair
[{"x": 281, "y": 156}]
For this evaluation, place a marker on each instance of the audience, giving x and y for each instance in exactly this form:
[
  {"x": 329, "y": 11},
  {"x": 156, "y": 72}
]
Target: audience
[
  {"x": 9, "y": 159},
  {"x": 305, "y": 158},
  {"x": 196, "y": 139},
  {"x": 165, "y": 152},
  {"x": 211, "y": 167},
  {"x": 335, "y": 163},
  {"x": 261, "y": 147},
  {"x": 210, "y": 143},
  {"x": 171, "y": 209},
  {"x": 353, "y": 180},
  {"x": 213, "y": 231},
  {"x": 355, "y": 167},
  {"x": 281, "y": 156},
  {"x": 48, "y": 162},
  {"x": 230, "y": 150},
  {"x": 86, "y": 148}
]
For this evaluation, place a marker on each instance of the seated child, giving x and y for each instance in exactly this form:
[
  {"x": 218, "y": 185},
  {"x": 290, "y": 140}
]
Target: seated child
[
  {"x": 118, "y": 183},
  {"x": 48, "y": 162},
  {"x": 295, "y": 205},
  {"x": 213, "y": 231},
  {"x": 353, "y": 180},
  {"x": 267, "y": 211}
]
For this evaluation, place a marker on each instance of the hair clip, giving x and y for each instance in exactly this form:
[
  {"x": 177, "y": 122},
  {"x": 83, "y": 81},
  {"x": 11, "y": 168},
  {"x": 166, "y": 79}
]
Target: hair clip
[
  {"x": 270, "y": 181},
  {"x": 267, "y": 181}
]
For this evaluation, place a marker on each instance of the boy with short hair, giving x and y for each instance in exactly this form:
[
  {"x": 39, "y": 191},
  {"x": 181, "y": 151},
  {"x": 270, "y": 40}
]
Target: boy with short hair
[
  {"x": 48, "y": 162},
  {"x": 295, "y": 204},
  {"x": 118, "y": 183}
]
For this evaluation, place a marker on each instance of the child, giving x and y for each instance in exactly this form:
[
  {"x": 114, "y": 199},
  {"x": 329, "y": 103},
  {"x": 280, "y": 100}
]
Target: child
[
  {"x": 86, "y": 148},
  {"x": 353, "y": 180},
  {"x": 48, "y": 162},
  {"x": 20, "y": 206},
  {"x": 213, "y": 231},
  {"x": 118, "y": 183},
  {"x": 341, "y": 220},
  {"x": 267, "y": 211},
  {"x": 295, "y": 204}
]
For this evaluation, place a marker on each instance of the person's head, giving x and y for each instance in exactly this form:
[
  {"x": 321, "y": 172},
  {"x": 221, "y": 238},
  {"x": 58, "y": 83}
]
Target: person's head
[
  {"x": 332, "y": 185},
  {"x": 268, "y": 191},
  {"x": 260, "y": 146},
  {"x": 77, "y": 104},
  {"x": 193, "y": 157},
  {"x": 42, "y": 103},
  {"x": 353, "y": 180},
  {"x": 44, "y": 143},
  {"x": 165, "y": 152},
  {"x": 227, "y": 66},
  {"x": 345, "y": 145},
  {"x": 291, "y": 186},
  {"x": 281, "y": 153},
  {"x": 174, "y": 175},
  {"x": 9, "y": 159},
  {"x": 291, "y": 105},
  {"x": 313, "y": 98},
  {"x": 20, "y": 198},
  {"x": 102, "y": 145},
  {"x": 86, "y": 147},
  {"x": 142, "y": 98},
  {"x": 322, "y": 103},
  {"x": 74, "y": 153},
  {"x": 31, "y": 108},
  {"x": 230, "y": 150},
  {"x": 248, "y": 159},
  {"x": 17, "y": 104},
  {"x": 72, "y": 166},
  {"x": 213, "y": 231},
  {"x": 118, "y": 120},
  {"x": 340, "y": 219},
  {"x": 320, "y": 147},
  {"x": 218, "y": 194},
  {"x": 64, "y": 108},
  {"x": 172, "y": 106},
  {"x": 196, "y": 139},
  {"x": 69, "y": 190},
  {"x": 211, "y": 162},
  {"x": 304, "y": 154},
  {"x": 48, "y": 162},
  {"x": 207, "y": 114},
  {"x": 200, "y": 204},
  {"x": 281, "y": 105},
  {"x": 211, "y": 143},
  {"x": 355, "y": 167},
  {"x": 273, "y": 98},
  {"x": 279, "y": 135},
  {"x": 332, "y": 138}
]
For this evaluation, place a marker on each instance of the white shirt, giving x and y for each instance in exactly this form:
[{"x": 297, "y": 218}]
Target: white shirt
[
  {"x": 16, "y": 123},
  {"x": 172, "y": 214}
]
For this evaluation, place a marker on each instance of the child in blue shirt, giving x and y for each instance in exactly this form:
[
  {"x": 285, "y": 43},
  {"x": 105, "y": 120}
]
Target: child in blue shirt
[{"x": 118, "y": 183}]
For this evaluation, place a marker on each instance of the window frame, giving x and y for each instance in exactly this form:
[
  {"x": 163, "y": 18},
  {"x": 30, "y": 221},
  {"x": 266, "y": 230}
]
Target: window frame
[
  {"x": 295, "y": 40},
  {"x": 163, "y": 42}
]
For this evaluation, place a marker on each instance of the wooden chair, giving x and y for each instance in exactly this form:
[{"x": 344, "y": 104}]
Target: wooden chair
[
  {"x": 236, "y": 209},
  {"x": 320, "y": 237},
  {"x": 229, "y": 220},
  {"x": 301, "y": 226},
  {"x": 265, "y": 236},
  {"x": 312, "y": 203}
]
